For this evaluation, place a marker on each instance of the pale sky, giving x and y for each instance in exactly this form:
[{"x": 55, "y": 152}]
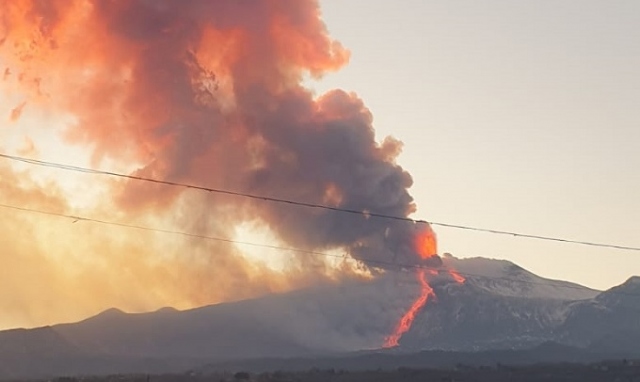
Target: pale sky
[{"x": 518, "y": 116}]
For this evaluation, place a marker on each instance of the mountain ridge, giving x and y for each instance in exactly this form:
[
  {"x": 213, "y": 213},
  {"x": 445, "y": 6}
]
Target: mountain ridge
[{"x": 499, "y": 306}]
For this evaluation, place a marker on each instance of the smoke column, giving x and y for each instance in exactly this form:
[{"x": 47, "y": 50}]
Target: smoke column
[{"x": 208, "y": 93}]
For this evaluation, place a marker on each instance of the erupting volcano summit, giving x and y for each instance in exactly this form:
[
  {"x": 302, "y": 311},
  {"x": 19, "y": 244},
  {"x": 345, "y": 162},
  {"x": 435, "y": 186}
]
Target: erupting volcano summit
[{"x": 204, "y": 93}]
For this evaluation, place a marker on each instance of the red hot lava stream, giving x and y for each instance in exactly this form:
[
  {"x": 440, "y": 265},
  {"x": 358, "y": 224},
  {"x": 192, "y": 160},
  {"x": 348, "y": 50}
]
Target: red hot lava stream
[
  {"x": 427, "y": 247},
  {"x": 407, "y": 320}
]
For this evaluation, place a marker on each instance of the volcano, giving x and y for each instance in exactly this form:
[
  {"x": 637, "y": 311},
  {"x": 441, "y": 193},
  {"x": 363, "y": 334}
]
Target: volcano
[{"x": 499, "y": 306}]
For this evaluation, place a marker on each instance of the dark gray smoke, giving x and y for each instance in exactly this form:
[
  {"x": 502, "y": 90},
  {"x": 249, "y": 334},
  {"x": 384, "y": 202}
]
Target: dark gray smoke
[{"x": 209, "y": 93}]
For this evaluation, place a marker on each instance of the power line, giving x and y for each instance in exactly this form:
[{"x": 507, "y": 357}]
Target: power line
[
  {"x": 312, "y": 205},
  {"x": 387, "y": 265}
]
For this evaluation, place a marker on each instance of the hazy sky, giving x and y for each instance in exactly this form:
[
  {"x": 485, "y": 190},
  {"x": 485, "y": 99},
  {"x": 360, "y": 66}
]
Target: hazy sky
[{"x": 519, "y": 116}]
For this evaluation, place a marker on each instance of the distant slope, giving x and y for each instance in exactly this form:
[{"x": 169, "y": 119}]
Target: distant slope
[
  {"x": 40, "y": 342},
  {"x": 610, "y": 320},
  {"x": 214, "y": 332},
  {"x": 334, "y": 318}
]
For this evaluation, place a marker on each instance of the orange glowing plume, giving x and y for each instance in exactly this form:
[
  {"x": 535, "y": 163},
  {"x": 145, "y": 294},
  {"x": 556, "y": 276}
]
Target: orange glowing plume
[{"x": 427, "y": 245}]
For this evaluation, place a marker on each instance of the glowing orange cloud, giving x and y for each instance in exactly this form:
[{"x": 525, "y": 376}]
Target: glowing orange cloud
[
  {"x": 426, "y": 244},
  {"x": 201, "y": 92}
]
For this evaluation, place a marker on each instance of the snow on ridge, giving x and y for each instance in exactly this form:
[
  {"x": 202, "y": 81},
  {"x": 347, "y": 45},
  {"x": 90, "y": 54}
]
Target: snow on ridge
[{"x": 505, "y": 278}]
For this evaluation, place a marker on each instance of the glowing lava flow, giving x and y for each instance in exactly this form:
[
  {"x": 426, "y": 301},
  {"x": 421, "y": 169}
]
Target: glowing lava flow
[
  {"x": 457, "y": 277},
  {"x": 427, "y": 248},
  {"x": 405, "y": 322}
]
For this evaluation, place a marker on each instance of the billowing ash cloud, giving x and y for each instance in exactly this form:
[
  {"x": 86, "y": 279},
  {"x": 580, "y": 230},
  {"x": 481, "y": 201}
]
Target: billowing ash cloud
[{"x": 210, "y": 93}]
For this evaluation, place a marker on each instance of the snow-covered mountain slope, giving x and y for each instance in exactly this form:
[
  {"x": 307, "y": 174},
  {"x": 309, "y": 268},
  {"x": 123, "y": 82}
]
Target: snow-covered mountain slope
[
  {"x": 613, "y": 314},
  {"x": 502, "y": 277},
  {"x": 469, "y": 317},
  {"x": 500, "y": 305}
]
